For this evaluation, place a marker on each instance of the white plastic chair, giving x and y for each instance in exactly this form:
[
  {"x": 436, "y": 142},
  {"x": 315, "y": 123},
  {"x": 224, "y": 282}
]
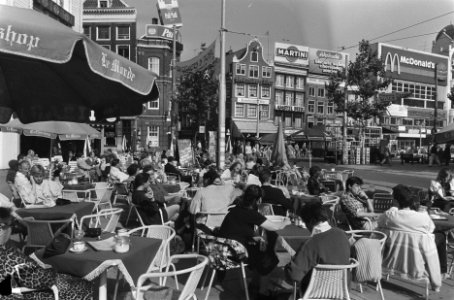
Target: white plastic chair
[
  {"x": 106, "y": 219},
  {"x": 195, "y": 273}
]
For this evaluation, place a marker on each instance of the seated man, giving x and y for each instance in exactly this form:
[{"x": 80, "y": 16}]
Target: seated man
[
  {"x": 317, "y": 250},
  {"x": 46, "y": 191},
  {"x": 115, "y": 174},
  {"x": 355, "y": 201},
  {"x": 274, "y": 195},
  {"x": 171, "y": 169}
]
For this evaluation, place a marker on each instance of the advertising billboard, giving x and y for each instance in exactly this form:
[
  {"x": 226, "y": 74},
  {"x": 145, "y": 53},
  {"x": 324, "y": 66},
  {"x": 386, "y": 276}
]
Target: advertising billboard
[
  {"x": 291, "y": 54},
  {"x": 158, "y": 31},
  {"x": 326, "y": 62},
  {"x": 169, "y": 13},
  {"x": 413, "y": 65}
]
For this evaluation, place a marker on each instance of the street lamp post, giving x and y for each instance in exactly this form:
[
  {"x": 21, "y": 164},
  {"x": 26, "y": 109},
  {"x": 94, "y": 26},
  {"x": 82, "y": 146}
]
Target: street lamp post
[{"x": 221, "y": 104}]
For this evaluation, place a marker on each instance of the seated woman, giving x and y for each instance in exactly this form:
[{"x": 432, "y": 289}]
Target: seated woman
[
  {"x": 239, "y": 225},
  {"x": 355, "y": 201},
  {"x": 46, "y": 191},
  {"x": 314, "y": 186},
  {"x": 149, "y": 207},
  {"x": 115, "y": 174},
  {"x": 440, "y": 188},
  {"x": 30, "y": 275},
  {"x": 233, "y": 173},
  {"x": 406, "y": 219},
  {"x": 214, "y": 197}
]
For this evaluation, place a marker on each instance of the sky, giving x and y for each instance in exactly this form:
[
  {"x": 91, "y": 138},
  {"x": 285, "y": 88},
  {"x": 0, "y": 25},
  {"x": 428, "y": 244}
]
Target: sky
[{"x": 325, "y": 24}]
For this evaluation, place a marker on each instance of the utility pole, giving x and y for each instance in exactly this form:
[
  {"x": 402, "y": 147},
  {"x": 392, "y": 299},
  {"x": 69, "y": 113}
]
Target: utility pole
[
  {"x": 436, "y": 103},
  {"x": 221, "y": 105},
  {"x": 258, "y": 116},
  {"x": 172, "y": 113},
  {"x": 344, "y": 133}
]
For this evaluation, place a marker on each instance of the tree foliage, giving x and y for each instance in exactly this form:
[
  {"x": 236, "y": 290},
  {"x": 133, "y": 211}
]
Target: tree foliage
[
  {"x": 198, "y": 98},
  {"x": 366, "y": 77},
  {"x": 451, "y": 94}
]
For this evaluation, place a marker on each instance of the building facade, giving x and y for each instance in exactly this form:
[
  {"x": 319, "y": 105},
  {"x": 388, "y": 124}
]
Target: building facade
[
  {"x": 155, "y": 52},
  {"x": 291, "y": 63},
  {"x": 418, "y": 93},
  {"x": 249, "y": 90},
  {"x": 112, "y": 24},
  {"x": 67, "y": 12}
]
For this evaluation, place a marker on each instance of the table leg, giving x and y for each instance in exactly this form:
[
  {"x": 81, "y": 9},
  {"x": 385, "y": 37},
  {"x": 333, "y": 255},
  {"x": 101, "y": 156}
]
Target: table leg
[{"x": 103, "y": 286}]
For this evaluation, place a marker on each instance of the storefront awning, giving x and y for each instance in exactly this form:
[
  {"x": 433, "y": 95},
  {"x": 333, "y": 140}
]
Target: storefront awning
[{"x": 243, "y": 127}]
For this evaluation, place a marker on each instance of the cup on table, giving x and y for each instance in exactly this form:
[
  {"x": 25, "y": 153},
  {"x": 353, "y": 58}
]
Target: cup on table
[
  {"x": 79, "y": 234},
  {"x": 79, "y": 246}
]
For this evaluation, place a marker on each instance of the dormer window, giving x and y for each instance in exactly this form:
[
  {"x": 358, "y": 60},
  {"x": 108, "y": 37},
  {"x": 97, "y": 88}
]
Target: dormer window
[
  {"x": 103, "y": 3},
  {"x": 254, "y": 56}
]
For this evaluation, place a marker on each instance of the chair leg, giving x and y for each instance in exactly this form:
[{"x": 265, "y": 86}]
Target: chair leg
[
  {"x": 129, "y": 214},
  {"x": 243, "y": 274},
  {"x": 360, "y": 288},
  {"x": 427, "y": 289},
  {"x": 117, "y": 283},
  {"x": 380, "y": 290},
  {"x": 210, "y": 284},
  {"x": 204, "y": 279}
]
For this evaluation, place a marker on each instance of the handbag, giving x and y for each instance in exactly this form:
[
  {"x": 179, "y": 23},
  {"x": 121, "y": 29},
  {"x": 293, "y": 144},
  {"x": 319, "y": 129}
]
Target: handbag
[{"x": 59, "y": 245}]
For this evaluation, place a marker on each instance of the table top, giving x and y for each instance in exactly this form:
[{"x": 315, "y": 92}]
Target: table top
[
  {"x": 79, "y": 186},
  {"x": 58, "y": 212},
  {"x": 444, "y": 224},
  {"x": 294, "y": 235},
  {"x": 365, "y": 214},
  {"x": 91, "y": 263}
]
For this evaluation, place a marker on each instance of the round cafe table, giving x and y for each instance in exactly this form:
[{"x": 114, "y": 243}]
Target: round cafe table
[{"x": 445, "y": 223}]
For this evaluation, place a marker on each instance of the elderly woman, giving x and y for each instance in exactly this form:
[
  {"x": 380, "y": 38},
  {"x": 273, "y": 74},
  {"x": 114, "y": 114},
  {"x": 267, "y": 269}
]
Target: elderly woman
[
  {"x": 214, "y": 197},
  {"x": 27, "y": 273},
  {"x": 46, "y": 191},
  {"x": 440, "y": 188}
]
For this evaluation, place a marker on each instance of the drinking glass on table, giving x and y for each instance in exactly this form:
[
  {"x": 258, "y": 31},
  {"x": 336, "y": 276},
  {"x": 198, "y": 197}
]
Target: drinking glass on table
[{"x": 78, "y": 234}]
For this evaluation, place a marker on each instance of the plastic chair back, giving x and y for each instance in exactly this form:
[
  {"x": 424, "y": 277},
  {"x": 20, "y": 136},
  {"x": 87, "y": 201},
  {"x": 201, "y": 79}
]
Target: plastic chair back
[
  {"x": 382, "y": 202},
  {"x": 106, "y": 219},
  {"x": 41, "y": 232}
]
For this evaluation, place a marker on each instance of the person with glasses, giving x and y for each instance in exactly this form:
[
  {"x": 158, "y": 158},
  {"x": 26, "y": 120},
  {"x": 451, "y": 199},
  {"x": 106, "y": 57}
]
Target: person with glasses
[{"x": 46, "y": 191}]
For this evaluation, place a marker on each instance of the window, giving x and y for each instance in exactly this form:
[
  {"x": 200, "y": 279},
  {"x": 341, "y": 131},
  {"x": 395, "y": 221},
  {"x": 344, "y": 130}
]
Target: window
[
  {"x": 239, "y": 109},
  {"x": 312, "y": 91},
  {"x": 252, "y": 89},
  {"x": 103, "y": 33},
  {"x": 153, "y": 64},
  {"x": 330, "y": 108},
  {"x": 299, "y": 100},
  {"x": 254, "y": 71},
  {"x": 264, "y": 112},
  {"x": 153, "y": 135},
  {"x": 123, "y": 33},
  {"x": 407, "y": 121},
  {"x": 279, "y": 98},
  {"x": 255, "y": 56},
  {"x": 297, "y": 122},
  {"x": 266, "y": 91},
  {"x": 311, "y": 106},
  {"x": 252, "y": 111},
  {"x": 300, "y": 83},
  {"x": 103, "y": 3},
  {"x": 240, "y": 90},
  {"x": 87, "y": 31},
  {"x": 320, "y": 108},
  {"x": 266, "y": 72},
  {"x": 240, "y": 69},
  {"x": 279, "y": 80},
  {"x": 123, "y": 50},
  {"x": 154, "y": 105},
  {"x": 289, "y": 99},
  {"x": 289, "y": 81},
  {"x": 321, "y": 92},
  {"x": 288, "y": 121}
]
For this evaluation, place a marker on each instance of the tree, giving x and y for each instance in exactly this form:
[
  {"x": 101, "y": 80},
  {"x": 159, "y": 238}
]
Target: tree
[
  {"x": 366, "y": 77},
  {"x": 197, "y": 98},
  {"x": 451, "y": 94}
]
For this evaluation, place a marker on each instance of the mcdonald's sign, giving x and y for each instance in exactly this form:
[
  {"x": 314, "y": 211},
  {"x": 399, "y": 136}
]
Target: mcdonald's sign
[{"x": 412, "y": 65}]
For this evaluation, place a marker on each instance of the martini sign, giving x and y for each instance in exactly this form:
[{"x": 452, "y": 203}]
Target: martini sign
[{"x": 291, "y": 54}]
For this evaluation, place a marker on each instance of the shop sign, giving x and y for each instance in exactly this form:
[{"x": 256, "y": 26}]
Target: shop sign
[
  {"x": 397, "y": 110},
  {"x": 293, "y": 54},
  {"x": 289, "y": 108},
  {"x": 253, "y": 101},
  {"x": 326, "y": 62},
  {"x": 158, "y": 31},
  {"x": 426, "y": 113},
  {"x": 413, "y": 131},
  {"x": 201, "y": 129}
]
